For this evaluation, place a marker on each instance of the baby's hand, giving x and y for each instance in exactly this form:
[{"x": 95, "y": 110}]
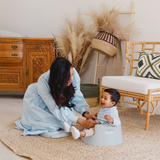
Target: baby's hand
[{"x": 109, "y": 118}]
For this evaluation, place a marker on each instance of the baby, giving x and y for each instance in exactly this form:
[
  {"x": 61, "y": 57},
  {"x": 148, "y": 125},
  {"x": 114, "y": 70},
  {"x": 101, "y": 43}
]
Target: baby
[{"x": 107, "y": 114}]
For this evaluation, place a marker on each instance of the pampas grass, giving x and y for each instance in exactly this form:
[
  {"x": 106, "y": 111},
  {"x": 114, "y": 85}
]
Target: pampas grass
[
  {"x": 125, "y": 33},
  {"x": 74, "y": 42},
  {"x": 107, "y": 21},
  {"x": 74, "y": 39},
  {"x": 104, "y": 21}
]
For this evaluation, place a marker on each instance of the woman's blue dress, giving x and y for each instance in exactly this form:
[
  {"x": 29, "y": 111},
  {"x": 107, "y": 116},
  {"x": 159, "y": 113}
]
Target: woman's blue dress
[{"x": 41, "y": 114}]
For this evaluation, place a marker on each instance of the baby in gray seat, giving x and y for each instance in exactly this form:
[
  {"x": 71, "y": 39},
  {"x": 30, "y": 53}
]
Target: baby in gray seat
[{"x": 107, "y": 114}]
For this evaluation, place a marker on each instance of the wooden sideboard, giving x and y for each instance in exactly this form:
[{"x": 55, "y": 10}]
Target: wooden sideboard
[{"x": 23, "y": 60}]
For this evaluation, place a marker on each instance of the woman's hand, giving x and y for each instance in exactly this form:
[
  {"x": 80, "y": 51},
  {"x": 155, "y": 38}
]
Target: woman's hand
[
  {"x": 109, "y": 118},
  {"x": 96, "y": 114},
  {"x": 90, "y": 116},
  {"x": 87, "y": 123}
]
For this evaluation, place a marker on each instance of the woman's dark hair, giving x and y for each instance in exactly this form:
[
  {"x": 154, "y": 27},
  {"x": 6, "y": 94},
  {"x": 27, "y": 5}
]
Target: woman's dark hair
[
  {"x": 58, "y": 79},
  {"x": 115, "y": 96}
]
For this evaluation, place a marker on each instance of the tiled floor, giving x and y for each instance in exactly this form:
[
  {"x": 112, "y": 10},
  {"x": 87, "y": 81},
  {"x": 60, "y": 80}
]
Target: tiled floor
[{"x": 10, "y": 109}]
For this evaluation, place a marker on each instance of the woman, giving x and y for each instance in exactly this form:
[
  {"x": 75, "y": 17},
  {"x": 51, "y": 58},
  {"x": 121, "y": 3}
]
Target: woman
[{"x": 52, "y": 100}]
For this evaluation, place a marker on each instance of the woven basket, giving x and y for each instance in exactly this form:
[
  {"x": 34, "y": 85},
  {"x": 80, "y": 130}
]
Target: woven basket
[
  {"x": 105, "y": 43},
  {"x": 92, "y": 101}
]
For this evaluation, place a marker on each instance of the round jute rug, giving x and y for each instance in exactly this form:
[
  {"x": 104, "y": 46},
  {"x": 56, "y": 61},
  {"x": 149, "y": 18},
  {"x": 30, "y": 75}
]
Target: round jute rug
[{"x": 138, "y": 144}]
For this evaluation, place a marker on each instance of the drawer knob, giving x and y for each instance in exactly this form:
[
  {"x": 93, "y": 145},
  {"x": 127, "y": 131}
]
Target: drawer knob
[
  {"x": 38, "y": 47},
  {"x": 14, "y": 46},
  {"x": 14, "y": 54}
]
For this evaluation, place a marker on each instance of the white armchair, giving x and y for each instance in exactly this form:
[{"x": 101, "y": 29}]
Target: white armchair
[{"x": 143, "y": 90}]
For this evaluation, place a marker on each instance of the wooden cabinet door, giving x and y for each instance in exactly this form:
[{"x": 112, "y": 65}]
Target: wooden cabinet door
[
  {"x": 11, "y": 78},
  {"x": 38, "y": 57},
  {"x": 37, "y": 64}
]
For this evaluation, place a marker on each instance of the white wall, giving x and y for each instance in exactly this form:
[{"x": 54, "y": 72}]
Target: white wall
[
  {"x": 41, "y": 18},
  {"x": 38, "y": 18}
]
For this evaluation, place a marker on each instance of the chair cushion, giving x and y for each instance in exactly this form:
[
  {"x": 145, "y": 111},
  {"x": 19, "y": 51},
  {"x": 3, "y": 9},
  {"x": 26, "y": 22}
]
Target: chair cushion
[
  {"x": 131, "y": 83},
  {"x": 148, "y": 66}
]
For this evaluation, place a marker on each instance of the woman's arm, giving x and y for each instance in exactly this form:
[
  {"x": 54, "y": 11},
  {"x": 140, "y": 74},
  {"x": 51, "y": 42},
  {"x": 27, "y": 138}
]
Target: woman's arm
[{"x": 78, "y": 100}]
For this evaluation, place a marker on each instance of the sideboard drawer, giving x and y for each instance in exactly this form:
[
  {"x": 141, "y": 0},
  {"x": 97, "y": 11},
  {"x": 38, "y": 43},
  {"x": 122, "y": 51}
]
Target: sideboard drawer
[
  {"x": 11, "y": 54},
  {"x": 38, "y": 47},
  {"x": 11, "y": 46}
]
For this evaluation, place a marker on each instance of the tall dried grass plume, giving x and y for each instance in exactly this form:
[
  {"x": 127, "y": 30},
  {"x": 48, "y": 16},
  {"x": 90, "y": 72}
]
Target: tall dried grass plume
[
  {"x": 74, "y": 42},
  {"x": 107, "y": 21}
]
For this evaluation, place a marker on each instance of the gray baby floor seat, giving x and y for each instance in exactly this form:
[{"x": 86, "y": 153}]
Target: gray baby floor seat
[{"x": 105, "y": 135}]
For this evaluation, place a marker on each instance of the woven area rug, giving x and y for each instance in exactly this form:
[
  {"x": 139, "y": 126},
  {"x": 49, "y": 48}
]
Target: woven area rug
[{"x": 137, "y": 143}]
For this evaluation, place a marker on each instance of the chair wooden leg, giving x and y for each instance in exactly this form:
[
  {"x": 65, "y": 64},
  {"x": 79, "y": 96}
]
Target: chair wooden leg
[
  {"x": 100, "y": 94},
  {"x": 138, "y": 103},
  {"x": 122, "y": 98},
  {"x": 147, "y": 115}
]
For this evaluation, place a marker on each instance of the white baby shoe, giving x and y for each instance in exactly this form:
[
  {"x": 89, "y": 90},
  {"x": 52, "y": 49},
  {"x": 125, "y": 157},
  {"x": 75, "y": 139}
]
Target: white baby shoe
[
  {"x": 75, "y": 132},
  {"x": 67, "y": 127}
]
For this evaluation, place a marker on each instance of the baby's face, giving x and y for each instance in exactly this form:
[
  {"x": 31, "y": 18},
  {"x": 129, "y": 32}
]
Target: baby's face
[{"x": 106, "y": 100}]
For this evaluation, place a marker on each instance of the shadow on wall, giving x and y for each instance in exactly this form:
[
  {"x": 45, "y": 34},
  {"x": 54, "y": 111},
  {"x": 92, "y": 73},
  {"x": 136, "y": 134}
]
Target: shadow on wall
[{"x": 4, "y": 33}]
